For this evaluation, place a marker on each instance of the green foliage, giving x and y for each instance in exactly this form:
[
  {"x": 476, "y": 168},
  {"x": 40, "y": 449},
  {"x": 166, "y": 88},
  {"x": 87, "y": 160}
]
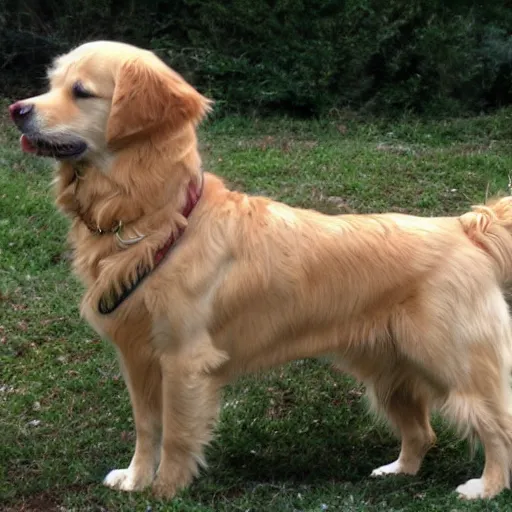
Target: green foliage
[{"x": 298, "y": 56}]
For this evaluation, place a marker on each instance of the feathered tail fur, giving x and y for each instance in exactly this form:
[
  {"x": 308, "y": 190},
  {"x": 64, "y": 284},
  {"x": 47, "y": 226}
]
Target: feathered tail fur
[{"x": 489, "y": 226}]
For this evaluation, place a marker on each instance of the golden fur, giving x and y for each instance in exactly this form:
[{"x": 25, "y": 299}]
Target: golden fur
[{"x": 413, "y": 307}]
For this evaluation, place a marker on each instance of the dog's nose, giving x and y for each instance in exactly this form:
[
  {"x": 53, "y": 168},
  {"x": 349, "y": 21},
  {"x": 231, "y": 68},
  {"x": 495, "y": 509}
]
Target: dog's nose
[{"x": 20, "y": 112}]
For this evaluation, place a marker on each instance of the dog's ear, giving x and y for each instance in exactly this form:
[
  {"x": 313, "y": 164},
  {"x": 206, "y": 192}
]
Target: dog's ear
[{"x": 146, "y": 96}]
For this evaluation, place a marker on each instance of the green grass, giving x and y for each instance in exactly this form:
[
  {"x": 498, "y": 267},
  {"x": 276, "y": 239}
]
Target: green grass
[{"x": 297, "y": 438}]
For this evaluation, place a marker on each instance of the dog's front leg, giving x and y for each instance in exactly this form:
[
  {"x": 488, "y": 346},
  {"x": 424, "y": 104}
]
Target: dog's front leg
[
  {"x": 190, "y": 400},
  {"x": 142, "y": 375}
]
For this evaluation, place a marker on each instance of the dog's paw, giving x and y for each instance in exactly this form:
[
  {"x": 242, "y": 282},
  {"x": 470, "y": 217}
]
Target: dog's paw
[
  {"x": 394, "y": 468},
  {"x": 164, "y": 489},
  {"x": 127, "y": 480},
  {"x": 472, "y": 489},
  {"x": 166, "y": 485}
]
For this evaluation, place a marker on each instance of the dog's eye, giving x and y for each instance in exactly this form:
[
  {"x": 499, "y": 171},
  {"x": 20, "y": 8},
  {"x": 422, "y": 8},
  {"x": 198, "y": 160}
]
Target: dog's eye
[{"x": 79, "y": 91}]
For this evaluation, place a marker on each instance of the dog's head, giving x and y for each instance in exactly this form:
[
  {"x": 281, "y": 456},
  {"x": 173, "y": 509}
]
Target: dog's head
[{"x": 101, "y": 95}]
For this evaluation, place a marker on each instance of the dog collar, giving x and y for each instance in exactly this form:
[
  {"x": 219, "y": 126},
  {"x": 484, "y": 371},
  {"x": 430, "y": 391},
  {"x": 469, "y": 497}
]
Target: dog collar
[
  {"x": 110, "y": 301},
  {"x": 84, "y": 217}
]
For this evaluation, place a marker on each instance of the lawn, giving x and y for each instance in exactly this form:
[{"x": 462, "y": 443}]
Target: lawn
[{"x": 296, "y": 439}]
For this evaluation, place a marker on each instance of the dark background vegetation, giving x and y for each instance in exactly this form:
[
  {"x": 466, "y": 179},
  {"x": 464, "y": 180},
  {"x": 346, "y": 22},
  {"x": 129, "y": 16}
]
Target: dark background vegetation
[{"x": 301, "y": 57}]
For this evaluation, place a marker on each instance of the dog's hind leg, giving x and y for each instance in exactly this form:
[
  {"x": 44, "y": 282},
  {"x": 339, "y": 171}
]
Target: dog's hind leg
[
  {"x": 407, "y": 408},
  {"x": 473, "y": 374},
  {"x": 493, "y": 425},
  {"x": 482, "y": 407},
  {"x": 479, "y": 397}
]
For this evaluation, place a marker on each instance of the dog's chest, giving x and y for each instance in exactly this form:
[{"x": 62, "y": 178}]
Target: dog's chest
[{"x": 131, "y": 324}]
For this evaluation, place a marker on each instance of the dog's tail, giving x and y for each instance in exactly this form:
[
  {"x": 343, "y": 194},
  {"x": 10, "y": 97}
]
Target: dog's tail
[{"x": 489, "y": 227}]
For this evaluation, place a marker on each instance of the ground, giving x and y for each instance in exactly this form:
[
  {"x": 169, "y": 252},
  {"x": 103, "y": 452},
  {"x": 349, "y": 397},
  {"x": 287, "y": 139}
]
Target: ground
[{"x": 296, "y": 439}]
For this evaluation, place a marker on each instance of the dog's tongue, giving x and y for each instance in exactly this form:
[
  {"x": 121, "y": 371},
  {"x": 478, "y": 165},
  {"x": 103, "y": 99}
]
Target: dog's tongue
[{"x": 26, "y": 145}]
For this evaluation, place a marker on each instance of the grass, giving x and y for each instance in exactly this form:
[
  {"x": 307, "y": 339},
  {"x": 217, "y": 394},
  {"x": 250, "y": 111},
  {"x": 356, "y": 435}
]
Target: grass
[{"x": 297, "y": 438}]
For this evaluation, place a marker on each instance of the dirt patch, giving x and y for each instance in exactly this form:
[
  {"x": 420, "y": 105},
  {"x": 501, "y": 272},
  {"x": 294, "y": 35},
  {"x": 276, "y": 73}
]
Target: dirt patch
[
  {"x": 42, "y": 502},
  {"x": 281, "y": 402},
  {"x": 49, "y": 501}
]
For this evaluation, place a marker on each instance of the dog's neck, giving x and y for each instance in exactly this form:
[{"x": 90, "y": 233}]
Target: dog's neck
[
  {"x": 142, "y": 179},
  {"x": 146, "y": 188}
]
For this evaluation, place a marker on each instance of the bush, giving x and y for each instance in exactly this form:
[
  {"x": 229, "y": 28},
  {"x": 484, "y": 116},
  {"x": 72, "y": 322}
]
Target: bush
[{"x": 305, "y": 57}]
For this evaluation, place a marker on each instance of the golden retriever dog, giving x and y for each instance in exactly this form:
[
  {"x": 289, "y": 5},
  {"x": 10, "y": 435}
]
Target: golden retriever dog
[{"x": 196, "y": 284}]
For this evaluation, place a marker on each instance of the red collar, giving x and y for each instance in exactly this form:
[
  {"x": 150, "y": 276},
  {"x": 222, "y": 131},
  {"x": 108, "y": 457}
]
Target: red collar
[
  {"x": 112, "y": 300},
  {"x": 193, "y": 195}
]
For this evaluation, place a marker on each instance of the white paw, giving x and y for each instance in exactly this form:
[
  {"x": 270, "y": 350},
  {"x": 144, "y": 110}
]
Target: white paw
[
  {"x": 127, "y": 480},
  {"x": 389, "y": 469},
  {"x": 472, "y": 489}
]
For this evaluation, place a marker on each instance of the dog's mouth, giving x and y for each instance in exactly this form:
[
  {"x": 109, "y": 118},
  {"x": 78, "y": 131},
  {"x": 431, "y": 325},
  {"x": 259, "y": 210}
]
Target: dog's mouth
[{"x": 45, "y": 146}]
